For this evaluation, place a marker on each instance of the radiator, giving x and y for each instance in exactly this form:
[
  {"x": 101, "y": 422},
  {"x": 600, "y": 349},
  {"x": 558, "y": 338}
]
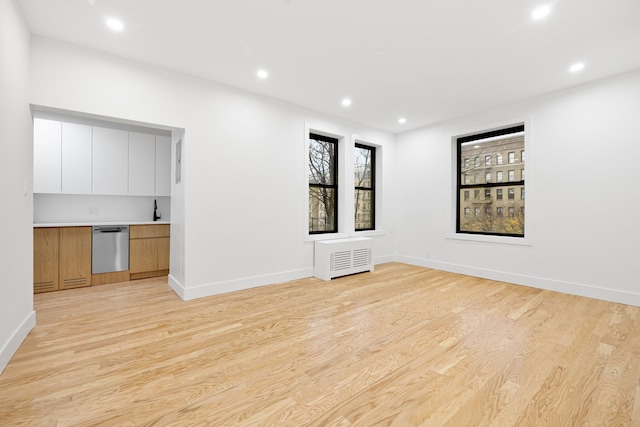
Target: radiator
[{"x": 340, "y": 257}]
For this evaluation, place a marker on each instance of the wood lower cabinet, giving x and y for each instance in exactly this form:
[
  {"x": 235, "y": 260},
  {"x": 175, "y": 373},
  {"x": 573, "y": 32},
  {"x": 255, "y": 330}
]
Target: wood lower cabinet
[
  {"x": 148, "y": 250},
  {"x": 46, "y": 255},
  {"x": 75, "y": 257},
  {"x": 61, "y": 258}
]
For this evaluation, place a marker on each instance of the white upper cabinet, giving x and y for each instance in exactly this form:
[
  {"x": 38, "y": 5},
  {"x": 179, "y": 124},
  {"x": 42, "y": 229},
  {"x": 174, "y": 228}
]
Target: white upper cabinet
[
  {"x": 71, "y": 158},
  {"x": 76, "y": 158},
  {"x": 163, "y": 166},
  {"x": 110, "y": 161},
  {"x": 47, "y": 156},
  {"x": 142, "y": 164}
]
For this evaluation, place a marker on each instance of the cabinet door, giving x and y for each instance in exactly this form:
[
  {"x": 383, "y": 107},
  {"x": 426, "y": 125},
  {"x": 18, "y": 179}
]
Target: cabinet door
[
  {"x": 142, "y": 164},
  {"x": 47, "y": 156},
  {"x": 110, "y": 161},
  {"x": 45, "y": 259},
  {"x": 76, "y": 159},
  {"x": 163, "y": 166},
  {"x": 163, "y": 253},
  {"x": 75, "y": 257},
  {"x": 143, "y": 255}
]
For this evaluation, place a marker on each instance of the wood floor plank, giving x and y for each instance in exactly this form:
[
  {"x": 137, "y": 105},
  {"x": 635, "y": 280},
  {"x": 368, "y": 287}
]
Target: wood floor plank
[{"x": 403, "y": 346}]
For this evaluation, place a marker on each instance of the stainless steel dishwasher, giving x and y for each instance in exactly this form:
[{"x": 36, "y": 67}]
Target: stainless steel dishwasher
[{"x": 110, "y": 248}]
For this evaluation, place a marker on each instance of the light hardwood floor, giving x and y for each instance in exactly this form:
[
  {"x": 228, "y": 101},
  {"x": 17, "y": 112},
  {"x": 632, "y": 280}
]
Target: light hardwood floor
[{"x": 401, "y": 346}]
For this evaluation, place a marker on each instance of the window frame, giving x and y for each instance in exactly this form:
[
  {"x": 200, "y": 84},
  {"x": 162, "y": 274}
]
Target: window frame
[
  {"x": 372, "y": 188},
  {"x": 458, "y": 187},
  {"x": 336, "y": 181}
]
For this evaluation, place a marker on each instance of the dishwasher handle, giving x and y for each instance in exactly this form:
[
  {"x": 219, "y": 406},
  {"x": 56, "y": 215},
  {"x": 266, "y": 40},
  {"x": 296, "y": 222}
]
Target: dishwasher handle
[{"x": 115, "y": 229}]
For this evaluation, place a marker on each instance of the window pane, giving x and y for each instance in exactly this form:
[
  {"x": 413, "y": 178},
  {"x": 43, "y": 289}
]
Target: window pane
[
  {"x": 322, "y": 162},
  {"x": 364, "y": 209},
  {"x": 363, "y": 167},
  {"x": 322, "y": 209}
]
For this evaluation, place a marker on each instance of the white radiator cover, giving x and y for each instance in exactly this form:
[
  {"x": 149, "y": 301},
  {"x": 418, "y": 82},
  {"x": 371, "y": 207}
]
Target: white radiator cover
[{"x": 340, "y": 257}]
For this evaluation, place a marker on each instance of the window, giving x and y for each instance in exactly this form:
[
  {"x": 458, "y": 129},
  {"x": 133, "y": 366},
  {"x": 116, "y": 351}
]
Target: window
[
  {"x": 509, "y": 219},
  {"x": 323, "y": 184},
  {"x": 476, "y": 162},
  {"x": 364, "y": 179}
]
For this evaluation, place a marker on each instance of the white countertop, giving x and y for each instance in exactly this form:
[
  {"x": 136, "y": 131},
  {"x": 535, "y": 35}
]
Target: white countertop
[{"x": 90, "y": 224}]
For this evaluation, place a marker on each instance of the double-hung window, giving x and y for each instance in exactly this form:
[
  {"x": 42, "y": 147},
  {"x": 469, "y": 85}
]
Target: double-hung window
[
  {"x": 498, "y": 144},
  {"x": 364, "y": 169},
  {"x": 323, "y": 184}
]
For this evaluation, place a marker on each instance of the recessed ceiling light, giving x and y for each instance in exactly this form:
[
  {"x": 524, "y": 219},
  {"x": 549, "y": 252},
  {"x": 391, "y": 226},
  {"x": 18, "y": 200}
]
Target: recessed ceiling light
[
  {"x": 115, "y": 24},
  {"x": 541, "y": 12},
  {"x": 262, "y": 74},
  {"x": 402, "y": 120},
  {"x": 578, "y": 66},
  {"x": 346, "y": 102}
]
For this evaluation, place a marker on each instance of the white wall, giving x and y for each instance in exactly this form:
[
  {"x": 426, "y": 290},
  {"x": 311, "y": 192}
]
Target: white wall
[
  {"x": 582, "y": 180},
  {"x": 243, "y": 163},
  {"x": 16, "y": 236}
]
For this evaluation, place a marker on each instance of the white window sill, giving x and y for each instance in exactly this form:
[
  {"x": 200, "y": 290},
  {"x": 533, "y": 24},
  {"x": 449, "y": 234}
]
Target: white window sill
[
  {"x": 334, "y": 236},
  {"x": 507, "y": 240}
]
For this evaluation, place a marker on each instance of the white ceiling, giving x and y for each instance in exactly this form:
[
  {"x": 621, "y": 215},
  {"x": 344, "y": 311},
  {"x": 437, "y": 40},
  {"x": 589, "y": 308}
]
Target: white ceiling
[{"x": 426, "y": 60}]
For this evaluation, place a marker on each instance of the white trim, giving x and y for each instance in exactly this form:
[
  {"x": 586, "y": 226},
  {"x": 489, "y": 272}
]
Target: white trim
[
  {"x": 384, "y": 259},
  {"x": 16, "y": 339},
  {"x": 379, "y": 188},
  {"x": 342, "y": 173},
  {"x": 177, "y": 287},
  {"x": 597, "y": 292},
  {"x": 507, "y": 240},
  {"x": 210, "y": 289},
  {"x": 529, "y": 231}
]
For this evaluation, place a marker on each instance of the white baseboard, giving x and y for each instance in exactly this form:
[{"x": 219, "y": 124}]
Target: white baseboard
[
  {"x": 384, "y": 259},
  {"x": 18, "y": 336},
  {"x": 189, "y": 293},
  {"x": 596, "y": 292},
  {"x": 177, "y": 287}
]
